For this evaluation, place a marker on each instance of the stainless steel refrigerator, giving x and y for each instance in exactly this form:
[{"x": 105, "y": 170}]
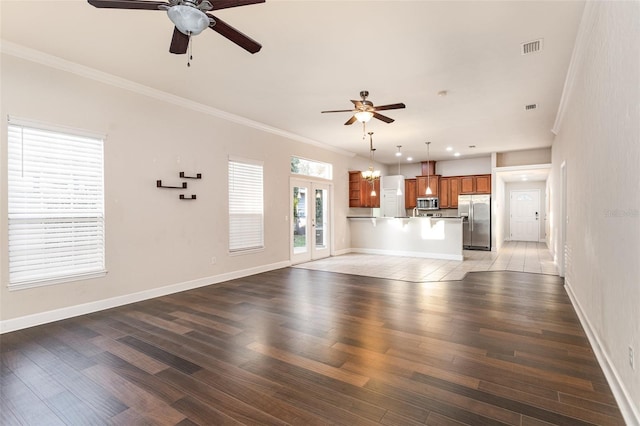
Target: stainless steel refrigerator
[{"x": 475, "y": 211}]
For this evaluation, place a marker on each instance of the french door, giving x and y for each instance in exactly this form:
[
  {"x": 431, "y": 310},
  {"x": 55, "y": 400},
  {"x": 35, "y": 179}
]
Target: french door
[{"x": 310, "y": 220}]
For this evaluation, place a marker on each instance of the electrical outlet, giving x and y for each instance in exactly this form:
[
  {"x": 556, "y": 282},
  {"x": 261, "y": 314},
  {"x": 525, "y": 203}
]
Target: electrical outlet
[
  {"x": 632, "y": 360},
  {"x": 213, "y": 260}
]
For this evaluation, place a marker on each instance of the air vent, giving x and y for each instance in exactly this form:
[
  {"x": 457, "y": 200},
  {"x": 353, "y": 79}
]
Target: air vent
[
  {"x": 531, "y": 47},
  {"x": 530, "y": 107}
]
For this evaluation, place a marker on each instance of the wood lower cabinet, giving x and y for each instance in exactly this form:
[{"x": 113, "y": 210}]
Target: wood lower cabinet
[
  {"x": 360, "y": 191},
  {"x": 409, "y": 193},
  {"x": 479, "y": 184},
  {"x": 421, "y": 187}
]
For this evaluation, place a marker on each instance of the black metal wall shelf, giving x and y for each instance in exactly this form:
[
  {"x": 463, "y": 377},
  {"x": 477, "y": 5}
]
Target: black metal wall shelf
[
  {"x": 160, "y": 185},
  {"x": 182, "y": 197},
  {"x": 197, "y": 176}
]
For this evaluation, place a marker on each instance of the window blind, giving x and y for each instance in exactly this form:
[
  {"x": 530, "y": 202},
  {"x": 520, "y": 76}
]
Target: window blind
[
  {"x": 55, "y": 205},
  {"x": 246, "y": 214}
]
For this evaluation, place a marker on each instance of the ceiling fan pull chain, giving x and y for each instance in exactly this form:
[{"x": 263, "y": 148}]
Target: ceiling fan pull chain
[{"x": 190, "y": 50}]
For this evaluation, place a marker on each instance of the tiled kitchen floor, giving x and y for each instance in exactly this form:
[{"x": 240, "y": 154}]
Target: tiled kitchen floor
[{"x": 513, "y": 256}]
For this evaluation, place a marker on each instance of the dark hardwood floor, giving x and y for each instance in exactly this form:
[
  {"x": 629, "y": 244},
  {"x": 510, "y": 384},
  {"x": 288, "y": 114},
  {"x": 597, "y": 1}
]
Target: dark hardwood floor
[{"x": 304, "y": 347}]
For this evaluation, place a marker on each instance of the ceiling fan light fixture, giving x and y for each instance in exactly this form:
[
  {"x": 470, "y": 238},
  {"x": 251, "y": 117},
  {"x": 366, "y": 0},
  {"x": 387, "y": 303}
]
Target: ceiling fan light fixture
[
  {"x": 187, "y": 19},
  {"x": 363, "y": 116}
]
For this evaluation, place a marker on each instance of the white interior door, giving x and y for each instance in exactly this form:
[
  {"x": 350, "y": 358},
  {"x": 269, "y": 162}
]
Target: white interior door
[
  {"x": 310, "y": 220},
  {"x": 525, "y": 215}
]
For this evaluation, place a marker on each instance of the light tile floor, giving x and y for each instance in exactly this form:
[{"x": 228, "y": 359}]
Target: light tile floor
[{"x": 513, "y": 256}]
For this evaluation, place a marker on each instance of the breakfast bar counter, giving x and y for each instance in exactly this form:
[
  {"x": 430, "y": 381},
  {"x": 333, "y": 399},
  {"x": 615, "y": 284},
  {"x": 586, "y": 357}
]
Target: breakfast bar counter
[{"x": 429, "y": 237}]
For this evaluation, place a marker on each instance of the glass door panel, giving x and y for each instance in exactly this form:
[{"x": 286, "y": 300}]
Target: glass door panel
[{"x": 310, "y": 224}]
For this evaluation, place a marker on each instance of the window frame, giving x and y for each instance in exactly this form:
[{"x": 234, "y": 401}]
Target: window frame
[
  {"x": 310, "y": 163},
  {"x": 249, "y": 201},
  {"x": 41, "y": 215}
]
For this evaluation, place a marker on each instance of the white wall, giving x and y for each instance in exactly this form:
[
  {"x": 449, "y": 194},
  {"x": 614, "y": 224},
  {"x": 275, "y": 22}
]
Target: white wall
[
  {"x": 598, "y": 134},
  {"x": 515, "y": 186},
  {"x": 153, "y": 239},
  {"x": 466, "y": 166},
  {"x": 524, "y": 157}
]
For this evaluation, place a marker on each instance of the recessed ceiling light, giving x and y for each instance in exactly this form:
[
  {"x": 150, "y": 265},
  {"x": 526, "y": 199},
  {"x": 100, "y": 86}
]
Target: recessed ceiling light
[
  {"x": 449, "y": 148},
  {"x": 409, "y": 158},
  {"x": 457, "y": 154}
]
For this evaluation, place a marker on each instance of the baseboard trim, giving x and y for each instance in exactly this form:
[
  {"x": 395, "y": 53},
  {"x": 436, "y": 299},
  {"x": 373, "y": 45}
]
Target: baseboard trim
[
  {"x": 33, "y": 320},
  {"x": 625, "y": 403},
  {"x": 341, "y": 252},
  {"x": 409, "y": 254}
]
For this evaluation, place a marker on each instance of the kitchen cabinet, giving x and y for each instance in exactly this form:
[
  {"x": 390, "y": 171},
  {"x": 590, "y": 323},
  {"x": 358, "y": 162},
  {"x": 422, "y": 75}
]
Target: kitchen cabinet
[
  {"x": 354, "y": 188},
  {"x": 449, "y": 191},
  {"x": 360, "y": 191},
  {"x": 366, "y": 199},
  {"x": 483, "y": 184},
  {"x": 454, "y": 191},
  {"x": 409, "y": 193},
  {"x": 480, "y": 184},
  {"x": 434, "y": 184}
]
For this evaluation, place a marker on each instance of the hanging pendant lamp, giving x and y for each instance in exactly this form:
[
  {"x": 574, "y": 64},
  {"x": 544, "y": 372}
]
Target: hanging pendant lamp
[{"x": 428, "y": 192}]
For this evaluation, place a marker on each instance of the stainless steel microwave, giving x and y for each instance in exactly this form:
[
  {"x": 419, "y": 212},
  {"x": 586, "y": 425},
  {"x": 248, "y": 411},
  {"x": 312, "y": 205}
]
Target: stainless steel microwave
[{"x": 428, "y": 203}]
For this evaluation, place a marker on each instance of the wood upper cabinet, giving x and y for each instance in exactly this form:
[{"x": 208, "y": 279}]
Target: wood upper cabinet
[
  {"x": 483, "y": 184},
  {"x": 454, "y": 191},
  {"x": 449, "y": 191},
  {"x": 354, "y": 188},
  {"x": 434, "y": 184},
  {"x": 366, "y": 199},
  {"x": 409, "y": 193},
  {"x": 445, "y": 184},
  {"x": 360, "y": 191},
  {"x": 480, "y": 184}
]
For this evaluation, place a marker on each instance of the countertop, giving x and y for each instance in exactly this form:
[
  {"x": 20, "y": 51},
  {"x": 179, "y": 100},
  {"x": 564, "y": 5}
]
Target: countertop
[{"x": 404, "y": 217}]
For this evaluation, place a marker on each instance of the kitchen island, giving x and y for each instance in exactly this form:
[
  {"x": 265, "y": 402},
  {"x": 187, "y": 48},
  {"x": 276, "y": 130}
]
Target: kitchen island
[{"x": 429, "y": 237}]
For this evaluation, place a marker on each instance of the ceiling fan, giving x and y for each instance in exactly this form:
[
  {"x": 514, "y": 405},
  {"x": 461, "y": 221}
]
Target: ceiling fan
[
  {"x": 190, "y": 18},
  {"x": 364, "y": 110}
]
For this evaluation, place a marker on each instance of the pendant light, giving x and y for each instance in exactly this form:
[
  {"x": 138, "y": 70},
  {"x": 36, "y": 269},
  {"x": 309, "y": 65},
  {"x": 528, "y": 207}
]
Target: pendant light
[
  {"x": 371, "y": 175},
  {"x": 428, "y": 192}
]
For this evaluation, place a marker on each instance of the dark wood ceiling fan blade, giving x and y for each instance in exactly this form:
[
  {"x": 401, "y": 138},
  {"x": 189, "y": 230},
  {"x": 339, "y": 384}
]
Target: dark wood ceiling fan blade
[
  {"x": 390, "y": 106},
  {"x": 179, "y": 42},
  {"x": 358, "y": 104},
  {"x": 338, "y": 110},
  {"x": 127, "y": 4},
  {"x": 234, "y": 35},
  {"x": 351, "y": 121},
  {"x": 383, "y": 118},
  {"x": 225, "y": 4}
]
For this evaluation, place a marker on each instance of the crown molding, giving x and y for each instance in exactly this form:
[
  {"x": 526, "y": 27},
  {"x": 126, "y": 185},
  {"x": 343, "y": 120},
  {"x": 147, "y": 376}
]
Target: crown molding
[
  {"x": 39, "y": 57},
  {"x": 585, "y": 31}
]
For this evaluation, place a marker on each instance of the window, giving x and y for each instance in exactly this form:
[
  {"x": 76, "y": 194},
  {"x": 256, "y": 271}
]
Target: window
[
  {"x": 302, "y": 166},
  {"x": 246, "y": 217},
  {"x": 55, "y": 206}
]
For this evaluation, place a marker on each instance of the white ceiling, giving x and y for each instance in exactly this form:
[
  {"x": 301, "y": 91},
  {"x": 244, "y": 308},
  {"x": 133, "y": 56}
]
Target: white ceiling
[{"x": 317, "y": 55}]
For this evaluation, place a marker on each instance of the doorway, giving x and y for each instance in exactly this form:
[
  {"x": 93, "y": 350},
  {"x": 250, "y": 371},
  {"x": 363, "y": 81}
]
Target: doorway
[
  {"x": 524, "y": 210},
  {"x": 310, "y": 220}
]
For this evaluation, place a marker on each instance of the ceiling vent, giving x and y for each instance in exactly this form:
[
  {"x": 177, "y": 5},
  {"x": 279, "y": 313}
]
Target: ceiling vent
[
  {"x": 530, "y": 107},
  {"x": 531, "y": 47}
]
